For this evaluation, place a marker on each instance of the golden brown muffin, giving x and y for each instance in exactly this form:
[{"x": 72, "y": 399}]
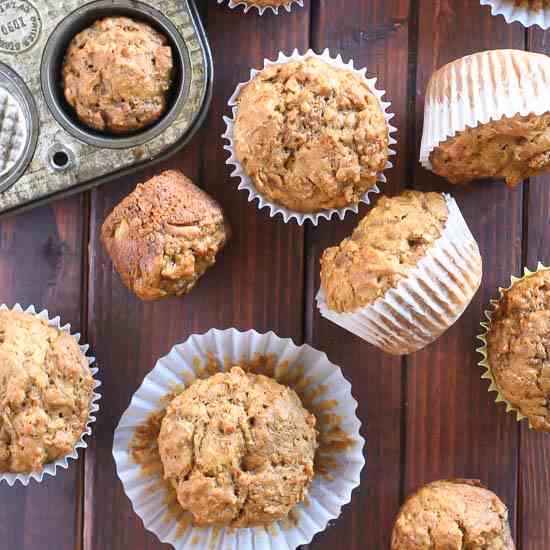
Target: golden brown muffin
[
  {"x": 238, "y": 449},
  {"x": 386, "y": 245},
  {"x": 117, "y": 75},
  {"x": 534, "y": 5},
  {"x": 310, "y": 136},
  {"x": 518, "y": 347},
  {"x": 452, "y": 515},
  {"x": 46, "y": 387},
  {"x": 164, "y": 235}
]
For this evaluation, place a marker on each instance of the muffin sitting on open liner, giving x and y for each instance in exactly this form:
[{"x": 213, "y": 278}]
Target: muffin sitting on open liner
[
  {"x": 487, "y": 116},
  {"x": 240, "y": 440},
  {"x": 516, "y": 344},
  {"x": 47, "y": 397},
  {"x": 263, "y": 5},
  {"x": 405, "y": 275},
  {"x": 309, "y": 136},
  {"x": 527, "y": 12}
]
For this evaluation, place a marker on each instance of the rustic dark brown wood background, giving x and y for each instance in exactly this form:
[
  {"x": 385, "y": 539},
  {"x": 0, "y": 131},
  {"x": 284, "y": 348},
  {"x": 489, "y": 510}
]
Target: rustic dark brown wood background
[{"x": 427, "y": 416}]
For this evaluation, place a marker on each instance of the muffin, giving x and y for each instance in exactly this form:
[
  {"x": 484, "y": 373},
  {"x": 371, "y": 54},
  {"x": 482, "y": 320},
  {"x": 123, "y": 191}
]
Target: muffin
[
  {"x": 238, "y": 449},
  {"x": 117, "y": 75},
  {"x": 164, "y": 235},
  {"x": 531, "y": 4},
  {"x": 46, "y": 389},
  {"x": 310, "y": 136},
  {"x": 526, "y": 12},
  {"x": 487, "y": 116},
  {"x": 263, "y": 5},
  {"x": 453, "y": 515},
  {"x": 405, "y": 275}
]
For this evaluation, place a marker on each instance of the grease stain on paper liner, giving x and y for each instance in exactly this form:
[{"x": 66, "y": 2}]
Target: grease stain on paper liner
[{"x": 332, "y": 438}]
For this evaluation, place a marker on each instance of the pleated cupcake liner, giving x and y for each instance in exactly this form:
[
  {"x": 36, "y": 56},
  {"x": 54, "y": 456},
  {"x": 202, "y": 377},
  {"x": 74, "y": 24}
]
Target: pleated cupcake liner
[
  {"x": 323, "y": 390},
  {"x": 486, "y": 325},
  {"x": 512, "y": 13},
  {"x": 481, "y": 88},
  {"x": 247, "y": 184},
  {"x": 51, "y": 468},
  {"x": 232, "y": 4},
  {"x": 428, "y": 301}
]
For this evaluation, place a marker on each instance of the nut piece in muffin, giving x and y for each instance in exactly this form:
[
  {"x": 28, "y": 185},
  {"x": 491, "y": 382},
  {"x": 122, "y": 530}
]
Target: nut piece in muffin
[
  {"x": 46, "y": 388},
  {"x": 238, "y": 449},
  {"x": 117, "y": 75},
  {"x": 164, "y": 235},
  {"x": 310, "y": 136},
  {"x": 518, "y": 347},
  {"x": 454, "y": 515}
]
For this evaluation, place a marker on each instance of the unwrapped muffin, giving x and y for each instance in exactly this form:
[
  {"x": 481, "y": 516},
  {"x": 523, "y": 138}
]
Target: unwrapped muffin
[
  {"x": 46, "y": 388},
  {"x": 238, "y": 449},
  {"x": 117, "y": 75},
  {"x": 452, "y": 515},
  {"x": 164, "y": 235}
]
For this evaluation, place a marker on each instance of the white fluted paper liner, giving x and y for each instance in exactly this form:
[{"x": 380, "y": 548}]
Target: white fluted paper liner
[
  {"x": 247, "y": 184},
  {"x": 480, "y": 88},
  {"x": 50, "y": 468},
  {"x": 248, "y": 5},
  {"x": 427, "y": 302},
  {"x": 326, "y": 495},
  {"x": 512, "y": 13}
]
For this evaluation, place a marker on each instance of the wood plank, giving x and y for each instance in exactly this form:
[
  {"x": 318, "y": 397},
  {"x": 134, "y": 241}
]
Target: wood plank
[
  {"x": 41, "y": 263},
  {"x": 453, "y": 427},
  {"x": 376, "y": 35},
  {"x": 257, "y": 282}
]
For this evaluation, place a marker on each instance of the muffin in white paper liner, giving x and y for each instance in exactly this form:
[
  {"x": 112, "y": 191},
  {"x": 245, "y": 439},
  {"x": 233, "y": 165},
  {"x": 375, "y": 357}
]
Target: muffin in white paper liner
[
  {"x": 249, "y": 4},
  {"x": 428, "y": 301},
  {"x": 480, "y": 88},
  {"x": 323, "y": 390},
  {"x": 511, "y": 13},
  {"x": 50, "y": 468},
  {"x": 247, "y": 184}
]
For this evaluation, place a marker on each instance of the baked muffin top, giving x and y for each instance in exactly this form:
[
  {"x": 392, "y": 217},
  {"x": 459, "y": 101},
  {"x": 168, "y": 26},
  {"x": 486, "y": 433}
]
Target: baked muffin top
[
  {"x": 454, "y": 515},
  {"x": 164, "y": 235},
  {"x": 386, "y": 245},
  {"x": 534, "y": 5},
  {"x": 518, "y": 348},
  {"x": 238, "y": 449},
  {"x": 310, "y": 136},
  {"x": 117, "y": 74},
  {"x": 46, "y": 387}
]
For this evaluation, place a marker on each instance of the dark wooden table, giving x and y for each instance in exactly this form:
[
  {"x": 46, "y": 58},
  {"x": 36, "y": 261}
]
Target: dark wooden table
[{"x": 426, "y": 416}]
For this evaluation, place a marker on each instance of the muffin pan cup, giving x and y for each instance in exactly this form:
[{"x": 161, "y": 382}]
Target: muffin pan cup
[
  {"x": 247, "y": 184},
  {"x": 249, "y": 5},
  {"x": 513, "y": 13},
  {"x": 324, "y": 391},
  {"x": 51, "y": 468},
  {"x": 425, "y": 303}
]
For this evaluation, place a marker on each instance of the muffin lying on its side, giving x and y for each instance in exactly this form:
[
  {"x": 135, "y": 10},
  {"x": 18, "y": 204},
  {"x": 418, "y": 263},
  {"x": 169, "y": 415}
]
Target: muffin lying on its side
[{"x": 164, "y": 235}]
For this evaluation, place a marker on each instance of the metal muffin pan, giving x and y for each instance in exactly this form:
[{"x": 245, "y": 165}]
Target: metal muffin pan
[{"x": 45, "y": 152}]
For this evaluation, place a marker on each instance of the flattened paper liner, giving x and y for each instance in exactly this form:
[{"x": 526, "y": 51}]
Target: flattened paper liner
[
  {"x": 247, "y": 184},
  {"x": 51, "y": 468},
  {"x": 248, "y": 5},
  {"x": 427, "y": 302},
  {"x": 323, "y": 390},
  {"x": 512, "y": 13},
  {"x": 486, "y": 325}
]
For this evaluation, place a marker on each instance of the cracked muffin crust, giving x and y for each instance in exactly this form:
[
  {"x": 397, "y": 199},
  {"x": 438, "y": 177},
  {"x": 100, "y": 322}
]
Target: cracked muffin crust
[
  {"x": 238, "y": 449},
  {"x": 164, "y": 235},
  {"x": 454, "y": 515},
  {"x": 117, "y": 75},
  {"x": 518, "y": 348},
  {"x": 310, "y": 136},
  {"x": 386, "y": 245},
  {"x": 46, "y": 387}
]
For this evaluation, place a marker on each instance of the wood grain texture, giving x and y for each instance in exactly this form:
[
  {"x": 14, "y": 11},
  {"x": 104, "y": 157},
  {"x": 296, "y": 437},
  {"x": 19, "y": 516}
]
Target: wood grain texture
[{"x": 41, "y": 264}]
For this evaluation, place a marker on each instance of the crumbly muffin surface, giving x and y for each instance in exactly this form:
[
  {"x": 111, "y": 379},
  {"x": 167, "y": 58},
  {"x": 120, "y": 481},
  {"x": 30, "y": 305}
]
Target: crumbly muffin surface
[
  {"x": 534, "y": 5},
  {"x": 510, "y": 148},
  {"x": 238, "y": 449},
  {"x": 388, "y": 242},
  {"x": 452, "y": 515},
  {"x": 518, "y": 348},
  {"x": 117, "y": 74},
  {"x": 45, "y": 391},
  {"x": 310, "y": 136},
  {"x": 164, "y": 235}
]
